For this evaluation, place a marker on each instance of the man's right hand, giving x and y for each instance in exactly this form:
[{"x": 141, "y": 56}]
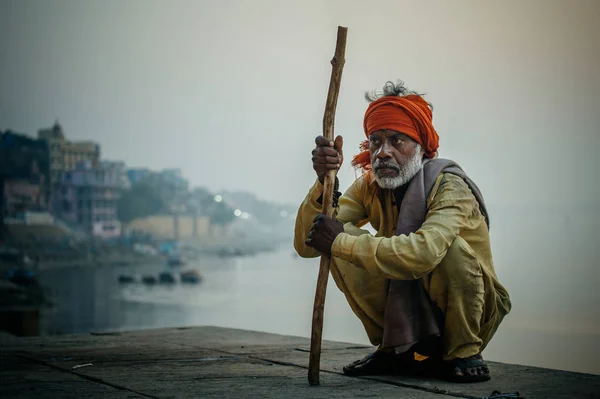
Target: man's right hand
[{"x": 327, "y": 155}]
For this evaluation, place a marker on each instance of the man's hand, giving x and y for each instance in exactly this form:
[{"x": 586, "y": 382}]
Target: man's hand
[
  {"x": 327, "y": 155},
  {"x": 323, "y": 232}
]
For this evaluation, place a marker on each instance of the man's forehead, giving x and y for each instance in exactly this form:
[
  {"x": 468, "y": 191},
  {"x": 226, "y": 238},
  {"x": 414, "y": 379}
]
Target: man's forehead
[{"x": 387, "y": 133}]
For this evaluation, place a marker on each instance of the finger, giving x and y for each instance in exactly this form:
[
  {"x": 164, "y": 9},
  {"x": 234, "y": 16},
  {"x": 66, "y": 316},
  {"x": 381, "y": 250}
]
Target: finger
[
  {"x": 339, "y": 143},
  {"x": 324, "y": 160},
  {"x": 326, "y": 151},
  {"x": 323, "y": 142},
  {"x": 317, "y": 219},
  {"x": 310, "y": 234},
  {"x": 325, "y": 218}
]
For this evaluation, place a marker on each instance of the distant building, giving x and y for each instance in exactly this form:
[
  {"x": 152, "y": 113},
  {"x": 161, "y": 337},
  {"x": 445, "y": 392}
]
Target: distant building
[
  {"x": 163, "y": 227},
  {"x": 65, "y": 154},
  {"x": 119, "y": 170},
  {"x": 87, "y": 196},
  {"x": 137, "y": 175},
  {"x": 24, "y": 174}
]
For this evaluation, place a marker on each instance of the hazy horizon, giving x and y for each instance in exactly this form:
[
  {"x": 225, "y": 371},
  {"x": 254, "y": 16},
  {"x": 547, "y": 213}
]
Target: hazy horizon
[{"x": 238, "y": 89}]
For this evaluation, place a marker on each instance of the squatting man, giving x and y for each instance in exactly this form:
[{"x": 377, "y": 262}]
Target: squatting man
[{"x": 424, "y": 287}]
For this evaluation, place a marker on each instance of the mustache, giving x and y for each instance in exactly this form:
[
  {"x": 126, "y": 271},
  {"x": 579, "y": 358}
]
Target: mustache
[{"x": 379, "y": 164}]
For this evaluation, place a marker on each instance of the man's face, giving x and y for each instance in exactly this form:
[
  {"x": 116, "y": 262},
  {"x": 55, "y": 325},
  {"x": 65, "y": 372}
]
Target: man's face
[{"x": 395, "y": 157}]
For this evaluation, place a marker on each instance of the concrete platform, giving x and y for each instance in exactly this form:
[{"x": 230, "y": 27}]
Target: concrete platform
[{"x": 212, "y": 362}]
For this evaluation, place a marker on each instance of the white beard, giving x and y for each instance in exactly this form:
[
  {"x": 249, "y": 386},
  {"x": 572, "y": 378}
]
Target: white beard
[{"x": 405, "y": 172}]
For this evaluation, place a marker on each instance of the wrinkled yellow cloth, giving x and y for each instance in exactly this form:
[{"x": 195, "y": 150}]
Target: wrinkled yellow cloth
[{"x": 450, "y": 252}]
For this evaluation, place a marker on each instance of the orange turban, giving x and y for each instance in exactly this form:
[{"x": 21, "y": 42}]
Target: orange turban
[{"x": 408, "y": 114}]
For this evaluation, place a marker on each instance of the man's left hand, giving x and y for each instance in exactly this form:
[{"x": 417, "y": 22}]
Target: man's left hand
[{"x": 323, "y": 232}]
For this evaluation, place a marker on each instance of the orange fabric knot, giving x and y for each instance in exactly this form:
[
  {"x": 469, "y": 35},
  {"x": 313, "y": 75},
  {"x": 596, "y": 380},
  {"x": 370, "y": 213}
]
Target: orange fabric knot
[{"x": 409, "y": 115}]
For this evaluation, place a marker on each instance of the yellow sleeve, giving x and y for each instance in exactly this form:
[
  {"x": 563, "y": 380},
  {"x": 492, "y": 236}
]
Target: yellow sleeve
[
  {"x": 350, "y": 212},
  {"x": 412, "y": 256}
]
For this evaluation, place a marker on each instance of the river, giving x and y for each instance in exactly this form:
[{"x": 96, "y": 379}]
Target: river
[{"x": 274, "y": 292}]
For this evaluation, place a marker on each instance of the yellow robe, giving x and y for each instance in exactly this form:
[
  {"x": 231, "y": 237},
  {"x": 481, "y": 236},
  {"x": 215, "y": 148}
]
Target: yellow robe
[{"x": 450, "y": 252}]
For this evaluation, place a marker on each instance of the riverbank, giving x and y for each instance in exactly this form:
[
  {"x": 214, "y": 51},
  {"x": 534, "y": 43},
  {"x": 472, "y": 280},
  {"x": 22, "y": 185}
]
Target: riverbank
[
  {"x": 99, "y": 254},
  {"x": 17, "y": 295},
  {"x": 213, "y": 362}
]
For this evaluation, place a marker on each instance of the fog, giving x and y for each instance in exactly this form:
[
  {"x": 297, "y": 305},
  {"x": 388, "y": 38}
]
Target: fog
[{"x": 233, "y": 93}]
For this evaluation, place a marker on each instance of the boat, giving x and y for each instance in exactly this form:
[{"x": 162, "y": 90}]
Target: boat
[
  {"x": 190, "y": 276},
  {"x": 126, "y": 279},
  {"x": 166, "y": 278},
  {"x": 150, "y": 280},
  {"x": 176, "y": 260},
  {"x": 23, "y": 277}
]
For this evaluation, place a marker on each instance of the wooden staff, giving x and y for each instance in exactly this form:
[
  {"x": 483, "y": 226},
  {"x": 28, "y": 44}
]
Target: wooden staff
[{"x": 337, "y": 65}]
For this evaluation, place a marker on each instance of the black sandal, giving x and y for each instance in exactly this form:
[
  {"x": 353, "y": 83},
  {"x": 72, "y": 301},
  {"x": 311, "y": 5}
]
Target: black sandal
[
  {"x": 378, "y": 363},
  {"x": 463, "y": 364}
]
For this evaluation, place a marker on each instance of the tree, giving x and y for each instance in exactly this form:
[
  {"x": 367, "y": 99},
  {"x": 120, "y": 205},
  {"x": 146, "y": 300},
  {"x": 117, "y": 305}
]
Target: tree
[
  {"x": 199, "y": 200},
  {"x": 220, "y": 214},
  {"x": 138, "y": 202}
]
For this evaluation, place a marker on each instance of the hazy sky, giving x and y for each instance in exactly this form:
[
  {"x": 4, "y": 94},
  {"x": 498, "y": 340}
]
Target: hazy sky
[{"x": 233, "y": 92}]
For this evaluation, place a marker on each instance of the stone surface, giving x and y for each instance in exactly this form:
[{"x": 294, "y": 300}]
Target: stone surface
[
  {"x": 20, "y": 378},
  {"x": 212, "y": 362}
]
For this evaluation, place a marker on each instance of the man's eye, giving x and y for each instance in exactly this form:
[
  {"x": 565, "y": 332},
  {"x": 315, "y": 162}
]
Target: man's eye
[
  {"x": 373, "y": 140},
  {"x": 397, "y": 140}
]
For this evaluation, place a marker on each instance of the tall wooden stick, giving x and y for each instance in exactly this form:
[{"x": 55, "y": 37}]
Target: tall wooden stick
[{"x": 337, "y": 65}]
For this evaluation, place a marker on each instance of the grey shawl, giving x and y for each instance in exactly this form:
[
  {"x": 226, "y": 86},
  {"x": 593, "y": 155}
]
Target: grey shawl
[{"x": 410, "y": 316}]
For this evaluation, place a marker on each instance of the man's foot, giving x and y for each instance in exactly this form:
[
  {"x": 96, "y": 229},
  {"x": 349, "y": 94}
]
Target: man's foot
[
  {"x": 382, "y": 362},
  {"x": 470, "y": 369}
]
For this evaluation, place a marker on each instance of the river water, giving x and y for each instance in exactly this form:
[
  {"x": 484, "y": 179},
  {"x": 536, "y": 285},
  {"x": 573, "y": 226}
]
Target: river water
[{"x": 274, "y": 292}]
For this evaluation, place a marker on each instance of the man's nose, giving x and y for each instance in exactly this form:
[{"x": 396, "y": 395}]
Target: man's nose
[{"x": 384, "y": 151}]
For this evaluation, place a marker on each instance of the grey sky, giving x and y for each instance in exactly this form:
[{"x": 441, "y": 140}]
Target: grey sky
[{"x": 233, "y": 91}]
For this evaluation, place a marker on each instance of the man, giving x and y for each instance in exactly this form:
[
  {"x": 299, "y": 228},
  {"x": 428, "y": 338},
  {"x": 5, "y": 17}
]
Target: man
[{"x": 425, "y": 286}]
